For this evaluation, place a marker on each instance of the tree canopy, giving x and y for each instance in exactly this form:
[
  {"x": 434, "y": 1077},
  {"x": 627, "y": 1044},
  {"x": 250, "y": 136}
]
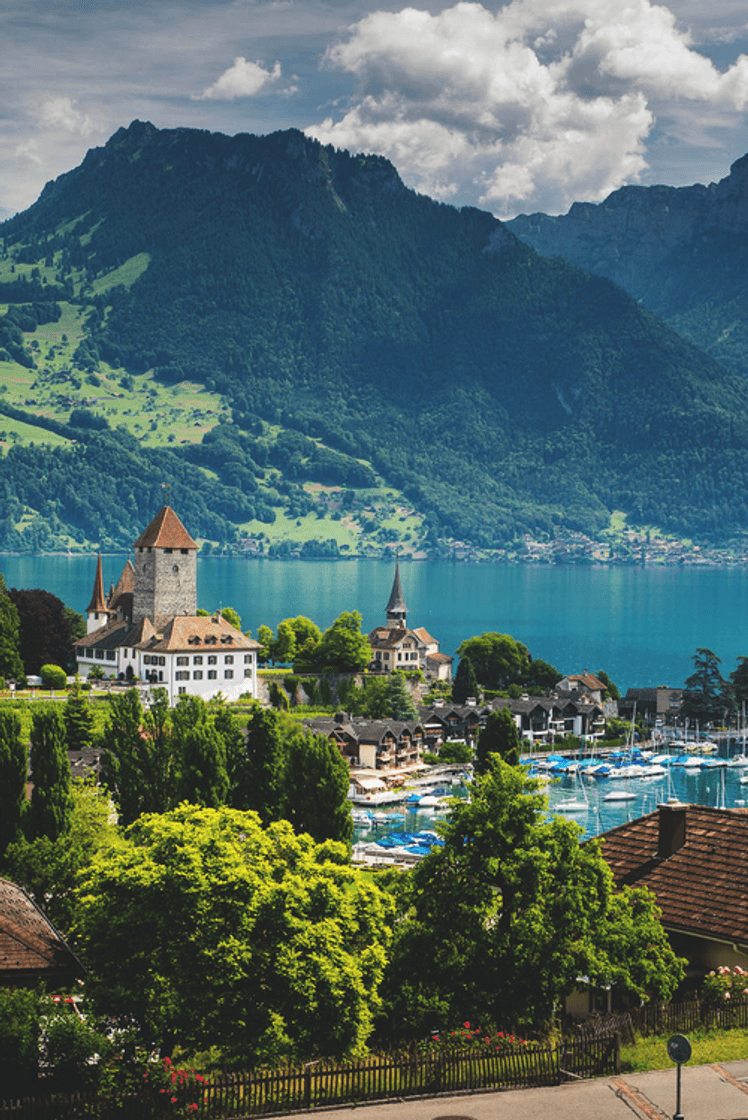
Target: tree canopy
[
  {"x": 496, "y": 926},
  {"x": 706, "y": 694},
  {"x": 499, "y": 660},
  {"x": 204, "y": 929}
]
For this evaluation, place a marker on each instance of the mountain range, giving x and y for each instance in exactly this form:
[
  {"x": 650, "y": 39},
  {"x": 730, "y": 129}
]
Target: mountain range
[{"x": 359, "y": 356}]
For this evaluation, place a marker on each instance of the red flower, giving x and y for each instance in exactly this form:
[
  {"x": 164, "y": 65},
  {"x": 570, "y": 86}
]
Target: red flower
[{"x": 466, "y": 1026}]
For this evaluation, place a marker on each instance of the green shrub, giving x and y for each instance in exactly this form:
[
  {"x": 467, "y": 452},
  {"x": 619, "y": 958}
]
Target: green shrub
[{"x": 53, "y": 676}]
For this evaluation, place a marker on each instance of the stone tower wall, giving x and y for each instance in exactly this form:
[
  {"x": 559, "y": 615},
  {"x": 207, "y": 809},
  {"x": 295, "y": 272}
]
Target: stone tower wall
[{"x": 165, "y": 584}]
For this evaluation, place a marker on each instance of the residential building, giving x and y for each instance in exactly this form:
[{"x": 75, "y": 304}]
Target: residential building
[{"x": 148, "y": 628}]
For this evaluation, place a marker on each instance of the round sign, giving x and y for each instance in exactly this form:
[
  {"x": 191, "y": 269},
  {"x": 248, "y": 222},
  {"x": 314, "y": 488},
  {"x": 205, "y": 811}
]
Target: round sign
[{"x": 679, "y": 1048}]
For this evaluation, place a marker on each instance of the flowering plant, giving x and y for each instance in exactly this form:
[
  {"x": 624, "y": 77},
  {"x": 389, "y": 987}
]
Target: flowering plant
[
  {"x": 177, "y": 1091},
  {"x": 472, "y": 1037},
  {"x": 724, "y": 984}
]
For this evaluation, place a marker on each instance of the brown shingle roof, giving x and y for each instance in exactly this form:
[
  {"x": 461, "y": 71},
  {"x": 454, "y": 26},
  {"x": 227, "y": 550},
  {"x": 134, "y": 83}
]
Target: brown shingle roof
[
  {"x": 98, "y": 602},
  {"x": 199, "y": 632},
  {"x": 30, "y": 946},
  {"x": 702, "y": 888},
  {"x": 165, "y": 531}
]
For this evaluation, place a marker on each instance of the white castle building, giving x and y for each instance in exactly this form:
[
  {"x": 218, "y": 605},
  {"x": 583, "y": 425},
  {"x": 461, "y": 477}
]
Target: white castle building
[{"x": 148, "y": 628}]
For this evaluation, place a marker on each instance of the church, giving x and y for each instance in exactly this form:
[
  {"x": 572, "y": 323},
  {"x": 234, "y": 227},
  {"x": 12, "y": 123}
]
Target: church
[
  {"x": 148, "y": 629},
  {"x": 395, "y": 648}
]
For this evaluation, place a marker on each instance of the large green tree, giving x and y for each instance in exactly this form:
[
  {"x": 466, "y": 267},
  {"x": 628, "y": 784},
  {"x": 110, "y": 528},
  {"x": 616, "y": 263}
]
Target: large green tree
[
  {"x": 138, "y": 764},
  {"x": 706, "y": 694},
  {"x": 13, "y": 773},
  {"x": 497, "y": 926},
  {"x": 51, "y": 796},
  {"x": 465, "y": 682},
  {"x": 317, "y": 780},
  {"x": 79, "y": 719},
  {"x": 257, "y": 772},
  {"x": 343, "y": 648},
  {"x": 499, "y": 660},
  {"x": 205, "y": 930},
  {"x": 498, "y": 736},
  {"x": 200, "y": 754},
  {"x": 11, "y": 665},
  {"x": 45, "y": 636}
]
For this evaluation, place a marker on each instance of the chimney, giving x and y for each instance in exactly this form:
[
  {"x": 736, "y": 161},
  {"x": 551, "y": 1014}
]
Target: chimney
[{"x": 672, "y": 831}]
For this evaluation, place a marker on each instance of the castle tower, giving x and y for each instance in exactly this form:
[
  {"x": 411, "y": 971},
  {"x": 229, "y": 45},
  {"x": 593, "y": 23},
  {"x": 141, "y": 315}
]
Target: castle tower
[
  {"x": 97, "y": 614},
  {"x": 165, "y": 563},
  {"x": 396, "y": 609}
]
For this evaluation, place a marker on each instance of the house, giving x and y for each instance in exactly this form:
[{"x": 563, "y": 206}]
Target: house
[
  {"x": 395, "y": 647},
  {"x": 656, "y": 705},
  {"x": 585, "y": 683},
  {"x": 694, "y": 858},
  {"x": 148, "y": 628},
  {"x": 373, "y": 744},
  {"x": 32, "y": 951}
]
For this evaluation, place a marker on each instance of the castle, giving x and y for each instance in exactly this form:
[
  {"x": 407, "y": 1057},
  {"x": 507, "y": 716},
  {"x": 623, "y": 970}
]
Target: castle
[{"x": 148, "y": 628}]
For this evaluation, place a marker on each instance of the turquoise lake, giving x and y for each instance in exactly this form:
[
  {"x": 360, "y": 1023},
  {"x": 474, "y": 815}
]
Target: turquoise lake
[{"x": 641, "y": 625}]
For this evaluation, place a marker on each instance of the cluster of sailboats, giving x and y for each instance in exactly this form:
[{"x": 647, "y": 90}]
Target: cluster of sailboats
[{"x": 632, "y": 763}]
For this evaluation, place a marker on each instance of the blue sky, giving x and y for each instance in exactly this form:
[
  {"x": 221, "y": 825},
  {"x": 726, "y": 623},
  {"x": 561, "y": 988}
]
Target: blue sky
[{"x": 515, "y": 107}]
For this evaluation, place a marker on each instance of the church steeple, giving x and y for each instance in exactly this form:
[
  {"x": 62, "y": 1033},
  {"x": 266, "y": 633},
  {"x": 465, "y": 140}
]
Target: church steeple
[
  {"x": 97, "y": 614},
  {"x": 396, "y": 609}
]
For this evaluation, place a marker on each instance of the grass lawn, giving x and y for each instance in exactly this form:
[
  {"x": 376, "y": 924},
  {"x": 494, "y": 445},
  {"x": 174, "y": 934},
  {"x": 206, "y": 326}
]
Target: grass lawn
[{"x": 708, "y": 1046}]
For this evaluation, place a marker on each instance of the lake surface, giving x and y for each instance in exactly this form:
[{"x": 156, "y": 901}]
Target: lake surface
[{"x": 640, "y": 624}]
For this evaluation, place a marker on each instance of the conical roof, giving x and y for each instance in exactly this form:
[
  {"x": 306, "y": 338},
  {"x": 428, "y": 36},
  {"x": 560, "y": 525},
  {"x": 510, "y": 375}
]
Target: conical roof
[
  {"x": 397, "y": 602},
  {"x": 98, "y": 602},
  {"x": 165, "y": 531}
]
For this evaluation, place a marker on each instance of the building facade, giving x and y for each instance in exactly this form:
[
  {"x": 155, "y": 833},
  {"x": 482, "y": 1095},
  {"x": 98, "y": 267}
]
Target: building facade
[{"x": 395, "y": 648}]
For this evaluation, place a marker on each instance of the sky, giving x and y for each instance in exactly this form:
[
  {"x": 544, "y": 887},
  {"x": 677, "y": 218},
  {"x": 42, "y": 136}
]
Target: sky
[{"x": 515, "y": 107}]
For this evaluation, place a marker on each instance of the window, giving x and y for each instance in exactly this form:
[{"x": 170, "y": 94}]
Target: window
[
  {"x": 197, "y": 659},
  {"x": 181, "y": 675},
  {"x": 184, "y": 551},
  {"x": 228, "y": 674},
  {"x": 247, "y": 672},
  {"x": 183, "y": 661},
  {"x": 197, "y": 675},
  {"x": 181, "y": 690},
  {"x": 167, "y": 550},
  {"x": 99, "y": 654},
  {"x": 229, "y": 659},
  {"x": 212, "y": 660},
  {"x": 110, "y": 655},
  {"x": 247, "y": 658},
  {"x": 212, "y": 674}
]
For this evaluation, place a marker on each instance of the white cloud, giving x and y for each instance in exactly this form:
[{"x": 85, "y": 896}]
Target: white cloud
[
  {"x": 541, "y": 102},
  {"x": 243, "y": 79},
  {"x": 59, "y": 112}
]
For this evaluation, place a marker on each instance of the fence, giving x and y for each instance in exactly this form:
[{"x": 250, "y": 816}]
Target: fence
[
  {"x": 668, "y": 1018},
  {"x": 323, "y": 1084}
]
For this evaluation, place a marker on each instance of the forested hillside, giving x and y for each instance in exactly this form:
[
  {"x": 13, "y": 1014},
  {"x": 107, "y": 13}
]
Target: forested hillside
[
  {"x": 683, "y": 251},
  {"x": 351, "y": 336}
]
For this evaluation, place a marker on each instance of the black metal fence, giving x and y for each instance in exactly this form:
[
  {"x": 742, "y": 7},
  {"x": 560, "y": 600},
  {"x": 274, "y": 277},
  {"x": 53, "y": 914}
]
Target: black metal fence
[{"x": 323, "y": 1084}]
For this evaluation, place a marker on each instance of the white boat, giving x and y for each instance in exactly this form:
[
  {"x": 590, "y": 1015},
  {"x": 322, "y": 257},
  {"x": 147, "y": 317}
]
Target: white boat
[
  {"x": 570, "y": 805},
  {"x": 619, "y": 795}
]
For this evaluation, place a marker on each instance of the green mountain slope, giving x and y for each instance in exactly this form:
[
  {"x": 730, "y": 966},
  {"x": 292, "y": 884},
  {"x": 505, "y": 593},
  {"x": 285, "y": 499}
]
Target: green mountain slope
[
  {"x": 682, "y": 251},
  {"x": 358, "y": 336}
]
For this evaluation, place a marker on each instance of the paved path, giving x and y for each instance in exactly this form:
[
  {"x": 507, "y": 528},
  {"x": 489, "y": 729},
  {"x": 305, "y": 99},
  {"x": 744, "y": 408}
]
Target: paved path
[{"x": 718, "y": 1092}]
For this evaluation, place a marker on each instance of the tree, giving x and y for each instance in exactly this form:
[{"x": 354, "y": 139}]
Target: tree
[
  {"x": 739, "y": 682},
  {"x": 13, "y": 772},
  {"x": 542, "y": 675},
  {"x": 283, "y": 649},
  {"x": 257, "y": 774},
  {"x": 465, "y": 682},
  {"x": 45, "y": 636},
  {"x": 79, "y": 719},
  {"x": 611, "y": 688},
  {"x": 401, "y": 706},
  {"x": 343, "y": 648},
  {"x": 497, "y": 926},
  {"x": 200, "y": 754},
  {"x": 53, "y": 676},
  {"x": 706, "y": 696},
  {"x": 137, "y": 760},
  {"x": 265, "y": 638},
  {"x": 498, "y": 659},
  {"x": 316, "y": 789},
  {"x": 11, "y": 665},
  {"x": 203, "y": 929},
  {"x": 499, "y": 736},
  {"x": 51, "y": 797}
]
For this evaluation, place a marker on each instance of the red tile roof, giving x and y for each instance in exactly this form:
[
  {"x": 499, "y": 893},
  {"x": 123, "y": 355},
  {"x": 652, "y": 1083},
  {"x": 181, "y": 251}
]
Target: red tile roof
[
  {"x": 702, "y": 888},
  {"x": 30, "y": 946},
  {"x": 165, "y": 531},
  {"x": 98, "y": 602}
]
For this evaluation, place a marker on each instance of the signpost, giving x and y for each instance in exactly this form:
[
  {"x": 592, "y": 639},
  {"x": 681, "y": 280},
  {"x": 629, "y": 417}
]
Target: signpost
[{"x": 679, "y": 1051}]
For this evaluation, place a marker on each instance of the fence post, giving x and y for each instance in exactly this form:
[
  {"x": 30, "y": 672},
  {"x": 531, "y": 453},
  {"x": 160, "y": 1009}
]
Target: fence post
[
  {"x": 307, "y": 1086},
  {"x": 617, "y": 1052}
]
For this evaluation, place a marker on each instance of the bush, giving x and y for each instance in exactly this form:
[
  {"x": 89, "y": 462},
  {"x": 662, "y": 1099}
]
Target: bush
[{"x": 53, "y": 676}]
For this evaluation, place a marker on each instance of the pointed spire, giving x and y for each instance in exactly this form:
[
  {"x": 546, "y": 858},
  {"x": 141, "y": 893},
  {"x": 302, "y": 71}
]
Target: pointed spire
[
  {"x": 98, "y": 602},
  {"x": 396, "y": 608},
  {"x": 165, "y": 531}
]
